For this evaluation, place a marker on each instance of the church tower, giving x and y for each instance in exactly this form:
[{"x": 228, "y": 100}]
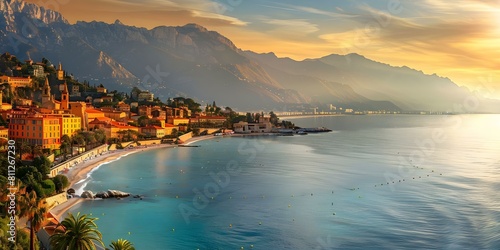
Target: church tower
[
  {"x": 65, "y": 97},
  {"x": 46, "y": 92},
  {"x": 60, "y": 72}
]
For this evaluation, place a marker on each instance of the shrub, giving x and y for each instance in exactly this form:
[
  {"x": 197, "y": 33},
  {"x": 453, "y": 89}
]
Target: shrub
[{"x": 49, "y": 187}]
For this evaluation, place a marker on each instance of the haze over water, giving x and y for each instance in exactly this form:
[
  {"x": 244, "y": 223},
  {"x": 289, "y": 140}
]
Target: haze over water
[{"x": 319, "y": 191}]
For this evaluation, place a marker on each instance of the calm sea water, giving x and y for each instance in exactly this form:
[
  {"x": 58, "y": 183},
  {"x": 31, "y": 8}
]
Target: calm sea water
[{"x": 376, "y": 182}]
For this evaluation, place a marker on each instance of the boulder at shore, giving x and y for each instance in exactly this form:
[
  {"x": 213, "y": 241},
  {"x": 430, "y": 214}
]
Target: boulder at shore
[
  {"x": 111, "y": 194},
  {"x": 87, "y": 194}
]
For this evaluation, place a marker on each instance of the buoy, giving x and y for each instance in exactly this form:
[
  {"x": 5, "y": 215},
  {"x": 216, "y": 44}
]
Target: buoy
[
  {"x": 177, "y": 197},
  {"x": 334, "y": 213},
  {"x": 289, "y": 205},
  {"x": 251, "y": 246},
  {"x": 260, "y": 223},
  {"x": 230, "y": 225},
  {"x": 128, "y": 233},
  {"x": 173, "y": 229}
]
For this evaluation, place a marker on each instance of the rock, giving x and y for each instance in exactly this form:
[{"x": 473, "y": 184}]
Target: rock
[
  {"x": 102, "y": 195},
  {"x": 109, "y": 194},
  {"x": 87, "y": 194}
]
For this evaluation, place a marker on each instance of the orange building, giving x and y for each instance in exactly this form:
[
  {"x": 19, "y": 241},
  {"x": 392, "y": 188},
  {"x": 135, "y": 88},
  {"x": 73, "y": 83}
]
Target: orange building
[
  {"x": 16, "y": 82},
  {"x": 36, "y": 129},
  {"x": 153, "y": 131},
  {"x": 113, "y": 128}
]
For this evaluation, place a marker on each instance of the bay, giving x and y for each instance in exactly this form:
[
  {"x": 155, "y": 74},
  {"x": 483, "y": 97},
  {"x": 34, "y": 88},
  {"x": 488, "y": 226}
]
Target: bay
[{"x": 318, "y": 191}]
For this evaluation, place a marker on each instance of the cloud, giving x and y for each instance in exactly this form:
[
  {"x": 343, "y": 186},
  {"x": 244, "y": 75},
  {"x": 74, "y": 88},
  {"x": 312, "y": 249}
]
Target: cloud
[{"x": 292, "y": 26}]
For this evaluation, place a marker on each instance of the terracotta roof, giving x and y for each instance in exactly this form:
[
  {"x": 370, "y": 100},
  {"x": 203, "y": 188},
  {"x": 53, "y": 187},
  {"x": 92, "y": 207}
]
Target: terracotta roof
[{"x": 95, "y": 111}]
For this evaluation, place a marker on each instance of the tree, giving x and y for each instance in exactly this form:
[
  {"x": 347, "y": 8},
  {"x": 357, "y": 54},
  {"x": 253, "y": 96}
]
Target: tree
[
  {"x": 43, "y": 164},
  {"x": 34, "y": 209},
  {"x": 122, "y": 244},
  {"x": 175, "y": 133},
  {"x": 65, "y": 148},
  {"x": 273, "y": 118},
  {"x": 79, "y": 139},
  {"x": 78, "y": 232},
  {"x": 61, "y": 182}
]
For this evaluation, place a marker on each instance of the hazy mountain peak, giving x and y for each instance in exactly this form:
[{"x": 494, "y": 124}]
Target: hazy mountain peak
[
  {"x": 195, "y": 26},
  {"x": 118, "y": 22},
  {"x": 33, "y": 11}
]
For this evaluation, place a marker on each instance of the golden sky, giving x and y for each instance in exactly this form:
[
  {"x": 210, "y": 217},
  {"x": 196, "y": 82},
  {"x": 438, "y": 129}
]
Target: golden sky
[{"x": 457, "y": 39}]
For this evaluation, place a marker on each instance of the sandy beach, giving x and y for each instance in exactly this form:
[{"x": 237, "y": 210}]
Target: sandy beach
[{"x": 81, "y": 170}]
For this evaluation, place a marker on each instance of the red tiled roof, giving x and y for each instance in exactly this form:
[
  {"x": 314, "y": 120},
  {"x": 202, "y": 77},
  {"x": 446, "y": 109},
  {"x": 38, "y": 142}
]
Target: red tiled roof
[{"x": 95, "y": 111}]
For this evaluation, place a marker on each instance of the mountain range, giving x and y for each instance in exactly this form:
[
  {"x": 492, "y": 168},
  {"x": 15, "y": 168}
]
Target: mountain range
[{"x": 193, "y": 61}]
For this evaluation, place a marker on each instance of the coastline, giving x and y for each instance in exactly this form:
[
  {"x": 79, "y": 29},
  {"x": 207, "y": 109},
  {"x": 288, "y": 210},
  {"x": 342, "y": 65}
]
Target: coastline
[{"x": 81, "y": 171}]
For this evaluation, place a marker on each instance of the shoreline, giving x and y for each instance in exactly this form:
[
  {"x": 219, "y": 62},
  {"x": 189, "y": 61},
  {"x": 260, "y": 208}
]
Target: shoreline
[{"x": 81, "y": 171}]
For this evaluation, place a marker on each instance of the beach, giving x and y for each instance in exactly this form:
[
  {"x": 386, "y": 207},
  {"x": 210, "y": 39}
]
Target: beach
[{"x": 80, "y": 171}]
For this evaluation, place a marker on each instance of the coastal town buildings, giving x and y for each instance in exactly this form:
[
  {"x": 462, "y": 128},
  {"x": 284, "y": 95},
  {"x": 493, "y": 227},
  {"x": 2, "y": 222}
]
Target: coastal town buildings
[
  {"x": 36, "y": 129},
  {"x": 17, "y": 82},
  {"x": 4, "y": 133},
  {"x": 263, "y": 126}
]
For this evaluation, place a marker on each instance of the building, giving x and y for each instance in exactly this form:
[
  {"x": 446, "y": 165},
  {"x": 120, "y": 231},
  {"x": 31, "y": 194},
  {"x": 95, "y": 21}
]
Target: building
[
  {"x": 36, "y": 129},
  {"x": 48, "y": 101},
  {"x": 145, "y": 111},
  {"x": 36, "y": 70},
  {"x": 204, "y": 121},
  {"x": 91, "y": 114},
  {"x": 247, "y": 128},
  {"x": 60, "y": 72},
  {"x": 4, "y": 133},
  {"x": 99, "y": 123},
  {"x": 101, "y": 89},
  {"x": 70, "y": 124},
  {"x": 169, "y": 128},
  {"x": 17, "y": 82},
  {"x": 79, "y": 109},
  {"x": 123, "y": 107},
  {"x": 114, "y": 114},
  {"x": 160, "y": 114},
  {"x": 145, "y": 96},
  {"x": 75, "y": 90},
  {"x": 113, "y": 128},
  {"x": 153, "y": 131}
]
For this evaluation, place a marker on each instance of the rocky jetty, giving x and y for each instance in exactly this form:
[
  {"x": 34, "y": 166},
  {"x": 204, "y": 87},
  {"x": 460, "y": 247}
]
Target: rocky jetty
[
  {"x": 105, "y": 194},
  {"x": 88, "y": 194}
]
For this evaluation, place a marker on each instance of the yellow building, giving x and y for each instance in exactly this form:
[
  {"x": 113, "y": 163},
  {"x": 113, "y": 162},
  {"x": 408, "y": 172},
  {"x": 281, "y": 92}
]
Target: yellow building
[
  {"x": 169, "y": 128},
  {"x": 16, "y": 82},
  {"x": 153, "y": 131},
  {"x": 60, "y": 72},
  {"x": 114, "y": 114},
  {"x": 4, "y": 133},
  {"x": 113, "y": 128},
  {"x": 70, "y": 124}
]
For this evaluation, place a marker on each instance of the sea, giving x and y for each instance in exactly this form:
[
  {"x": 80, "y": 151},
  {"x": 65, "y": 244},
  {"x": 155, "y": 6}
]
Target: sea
[{"x": 374, "y": 182}]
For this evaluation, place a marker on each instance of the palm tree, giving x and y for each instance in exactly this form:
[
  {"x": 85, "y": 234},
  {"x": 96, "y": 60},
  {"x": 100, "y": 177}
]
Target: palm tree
[
  {"x": 78, "y": 232},
  {"x": 35, "y": 209},
  {"x": 64, "y": 148},
  {"x": 122, "y": 244}
]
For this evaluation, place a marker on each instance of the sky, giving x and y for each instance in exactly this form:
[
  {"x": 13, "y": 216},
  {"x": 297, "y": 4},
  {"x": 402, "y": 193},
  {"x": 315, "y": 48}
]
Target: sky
[{"x": 457, "y": 39}]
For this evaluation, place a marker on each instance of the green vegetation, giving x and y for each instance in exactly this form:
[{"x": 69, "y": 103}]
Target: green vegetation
[
  {"x": 61, "y": 182},
  {"x": 78, "y": 232},
  {"x": 122, "y": 244},
  {"x": 34, "y": 209}
]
